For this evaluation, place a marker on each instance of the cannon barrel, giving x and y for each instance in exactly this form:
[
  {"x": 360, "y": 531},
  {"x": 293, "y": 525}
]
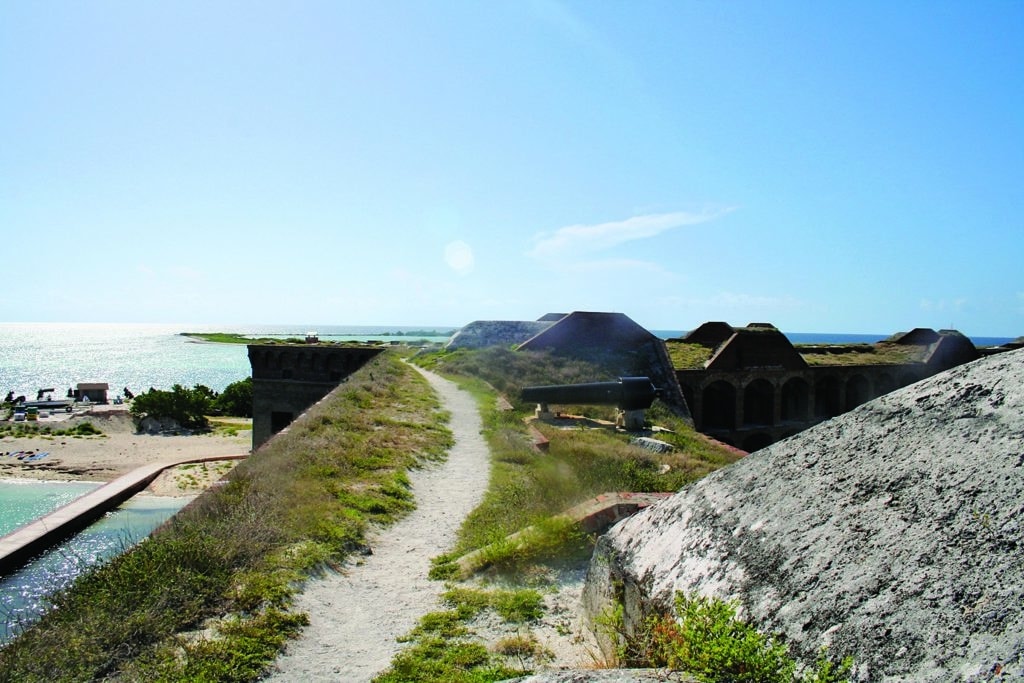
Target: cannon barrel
[{"x": 628, "y": 393}]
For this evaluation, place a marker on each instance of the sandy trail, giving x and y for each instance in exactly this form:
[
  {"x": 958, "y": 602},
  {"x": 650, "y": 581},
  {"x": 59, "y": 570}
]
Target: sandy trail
[{"x": 356, "y": 616}]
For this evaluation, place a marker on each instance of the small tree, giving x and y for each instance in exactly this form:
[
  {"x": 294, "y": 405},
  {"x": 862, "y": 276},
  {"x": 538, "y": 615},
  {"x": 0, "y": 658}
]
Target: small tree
[
  {"x": 236, "y": 399},
  {"x": 188, "y": 407}
]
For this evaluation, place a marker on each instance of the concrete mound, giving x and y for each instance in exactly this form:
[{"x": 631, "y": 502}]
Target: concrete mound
[{"x": 893, "y": 533}]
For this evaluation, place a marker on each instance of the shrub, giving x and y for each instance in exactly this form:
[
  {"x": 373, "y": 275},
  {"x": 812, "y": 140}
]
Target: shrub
[{"x": 706, "y": 639}]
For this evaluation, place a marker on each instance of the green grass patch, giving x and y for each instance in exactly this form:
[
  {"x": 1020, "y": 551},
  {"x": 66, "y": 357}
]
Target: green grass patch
[
  {"x": 688, "y": 356},
  {"x": 25, "y": 430},
  {"x": 882, "y": 353},
  {"x": 445, "y": 648},
  {"x": 705, "y": 638}
]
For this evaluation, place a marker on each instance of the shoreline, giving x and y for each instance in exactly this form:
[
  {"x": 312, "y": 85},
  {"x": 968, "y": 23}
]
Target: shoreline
[{"x": 119, "y": 450}]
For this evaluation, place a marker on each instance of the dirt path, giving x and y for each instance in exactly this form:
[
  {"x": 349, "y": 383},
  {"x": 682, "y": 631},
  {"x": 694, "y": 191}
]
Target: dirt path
[{"x": 356, "y": 616}]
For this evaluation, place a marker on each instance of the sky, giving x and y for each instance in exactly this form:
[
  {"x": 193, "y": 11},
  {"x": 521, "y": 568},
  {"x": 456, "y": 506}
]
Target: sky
[{"x": 823, "y": 166}]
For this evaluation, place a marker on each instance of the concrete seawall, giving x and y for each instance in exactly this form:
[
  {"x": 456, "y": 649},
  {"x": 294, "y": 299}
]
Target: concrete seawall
[{"x": 21, "y": 545}]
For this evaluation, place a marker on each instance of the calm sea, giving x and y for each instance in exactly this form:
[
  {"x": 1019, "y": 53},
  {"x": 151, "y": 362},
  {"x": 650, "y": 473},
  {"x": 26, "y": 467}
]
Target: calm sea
[{"x": 58, "y": 356}]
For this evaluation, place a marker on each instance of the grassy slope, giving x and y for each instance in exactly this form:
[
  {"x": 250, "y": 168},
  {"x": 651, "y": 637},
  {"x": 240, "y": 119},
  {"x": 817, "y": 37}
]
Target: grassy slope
[
  {"x": 231, "y": 561},
  {"x": 527, "y": 488}
]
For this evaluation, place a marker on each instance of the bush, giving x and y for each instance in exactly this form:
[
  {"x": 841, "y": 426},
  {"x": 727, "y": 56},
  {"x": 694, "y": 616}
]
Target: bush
[
  {"x": 235, "y": 400},
  {"x": 706, "y": 639},
  {"x": 188, "y": 407}
]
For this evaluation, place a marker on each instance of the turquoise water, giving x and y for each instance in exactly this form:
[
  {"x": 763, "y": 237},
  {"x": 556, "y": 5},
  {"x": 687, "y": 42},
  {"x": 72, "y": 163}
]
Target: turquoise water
[
  {"x": 22, "y": 501},
  {"x": 23, "y": 594}
]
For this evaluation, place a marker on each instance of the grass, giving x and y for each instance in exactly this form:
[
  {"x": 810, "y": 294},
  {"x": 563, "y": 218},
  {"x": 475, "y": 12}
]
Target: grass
[
  {"x": 687, "y": 356},
  {"x": 208, "y": 597},
  {"x": 443, "y": 645},
  {"x": 528, "y": 487},
  {"x": 705, "y": 638},
  {"x": 235, "y": 338},
  {"x": 229, "y": 426},
  {"x": 518, "y": 529},
  {"x": 22, "y": 429},
  {"x": 862, "y": 354}
]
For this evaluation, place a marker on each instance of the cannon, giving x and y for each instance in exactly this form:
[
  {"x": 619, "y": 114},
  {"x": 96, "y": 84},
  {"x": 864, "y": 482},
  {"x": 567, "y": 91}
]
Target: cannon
[{"x": 631, "y": 395}]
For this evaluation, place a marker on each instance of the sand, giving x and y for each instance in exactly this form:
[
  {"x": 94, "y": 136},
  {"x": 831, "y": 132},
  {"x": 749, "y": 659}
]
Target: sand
[{"x": 118, "y": 451}]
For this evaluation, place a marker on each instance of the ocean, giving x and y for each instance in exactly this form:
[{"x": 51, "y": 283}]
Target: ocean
[{"x": 58, "y": 356}]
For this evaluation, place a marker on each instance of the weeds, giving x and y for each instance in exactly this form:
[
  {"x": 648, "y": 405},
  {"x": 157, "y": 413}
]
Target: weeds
[
  {"x": 705, "y": 638},
  {"x": 23, "y": 430},
  {"x": 444, "y": 647}
]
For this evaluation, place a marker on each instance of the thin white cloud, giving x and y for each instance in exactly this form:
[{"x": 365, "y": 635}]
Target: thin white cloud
[
  {"x": 615, "y": 266},
  {"x": 574, "y": 240}
]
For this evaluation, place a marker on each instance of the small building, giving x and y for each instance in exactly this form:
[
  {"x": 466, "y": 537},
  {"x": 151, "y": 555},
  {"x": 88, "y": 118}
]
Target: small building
[{"x": 94, "y": 392}]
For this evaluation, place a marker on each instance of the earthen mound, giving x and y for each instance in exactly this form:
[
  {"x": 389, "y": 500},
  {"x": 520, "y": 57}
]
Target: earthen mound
[{"x": 893, "y": 533}]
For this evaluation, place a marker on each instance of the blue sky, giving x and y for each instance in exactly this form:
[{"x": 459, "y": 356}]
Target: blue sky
[{"x": 824, "y": 166}]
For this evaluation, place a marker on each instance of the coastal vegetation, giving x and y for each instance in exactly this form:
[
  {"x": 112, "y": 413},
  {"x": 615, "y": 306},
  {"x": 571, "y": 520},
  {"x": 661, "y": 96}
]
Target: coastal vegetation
[
  {"x": 238, "y": 338},
  {"x": 190, "y": 407},
  {"x": 207, "y": 597},
  {"x": 704, "y": 637},
  {"x": 19, "y": 430}
]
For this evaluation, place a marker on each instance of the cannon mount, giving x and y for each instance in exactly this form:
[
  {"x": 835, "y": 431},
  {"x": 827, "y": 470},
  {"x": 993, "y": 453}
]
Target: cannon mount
[{"x": 630, "y": 395}]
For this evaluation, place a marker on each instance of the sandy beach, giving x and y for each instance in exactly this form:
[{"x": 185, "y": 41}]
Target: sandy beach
[{"x": 118, "y": 451}]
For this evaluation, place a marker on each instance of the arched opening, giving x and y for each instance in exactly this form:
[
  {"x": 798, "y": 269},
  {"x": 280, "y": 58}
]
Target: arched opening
[
  {"x": 796, "y": 400},
  {"x": 758, "y": 403},
  {"x": 906, "y": 379},
  {"x": 756, "y": 442},
  {"x": 719, "y": 405},
  {"x": 688, "y": 398},
  {"x": 828, "y": 400},
  {"x": 884, "y": 383},
  {"x": 858, "y": 391}
]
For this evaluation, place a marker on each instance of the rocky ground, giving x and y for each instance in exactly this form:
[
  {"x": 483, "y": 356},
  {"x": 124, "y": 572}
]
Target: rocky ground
[{"x": 892, "y": 533}]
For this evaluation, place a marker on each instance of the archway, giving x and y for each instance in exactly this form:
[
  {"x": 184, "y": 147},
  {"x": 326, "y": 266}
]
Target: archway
[
  {"x": 758, "y": 403},
  {"x": 858, "y": 391},
  {"x": 756, "y": 442},
  {"x": 796, "y": 400},
  {"x": 719, "y": 405},
  {"x": 828, "y": 400}
]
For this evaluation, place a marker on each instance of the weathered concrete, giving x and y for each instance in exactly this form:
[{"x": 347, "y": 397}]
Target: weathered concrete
[
  {"x": 22, "y": 544},
  {"x": 892, "y": 533}
]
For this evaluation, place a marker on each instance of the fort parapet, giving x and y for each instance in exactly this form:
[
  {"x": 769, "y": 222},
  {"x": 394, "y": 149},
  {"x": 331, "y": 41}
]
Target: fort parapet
[
  {"x": 289, "y": 378},
  {"x": 750, "y": 387}
]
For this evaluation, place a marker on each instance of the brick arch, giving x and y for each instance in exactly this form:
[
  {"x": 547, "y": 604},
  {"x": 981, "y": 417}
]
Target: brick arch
[
  {"x": 756, "y": 442},
  {"x": 884, "y": 383},
  {"x": 858, "y": 391},
  {"x": 796, "y": 399},
  {"x": 828, "y": 397},
  {"x": 719, "y": 399},
  {"x": 758, "y": 403},
  {"x": 906, "y": 378}
]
